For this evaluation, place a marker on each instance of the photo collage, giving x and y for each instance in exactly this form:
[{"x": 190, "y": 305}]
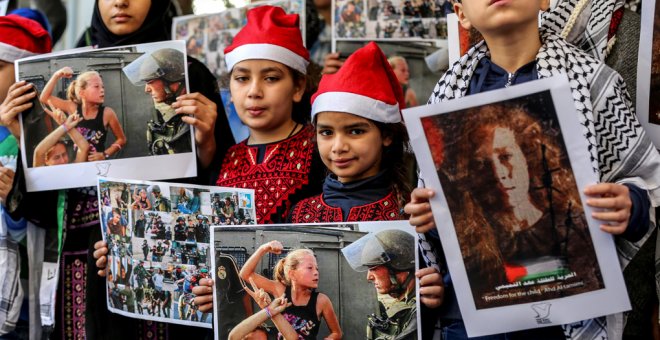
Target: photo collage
[{"x": 158, "y": 237}]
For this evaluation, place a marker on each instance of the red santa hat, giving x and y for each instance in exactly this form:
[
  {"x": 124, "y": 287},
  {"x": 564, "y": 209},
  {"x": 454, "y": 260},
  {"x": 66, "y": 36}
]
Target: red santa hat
[
  {"x": 364, "y": 86},
  {"x": 270, "y": 34},
  {"x": 21, "y": 37}
]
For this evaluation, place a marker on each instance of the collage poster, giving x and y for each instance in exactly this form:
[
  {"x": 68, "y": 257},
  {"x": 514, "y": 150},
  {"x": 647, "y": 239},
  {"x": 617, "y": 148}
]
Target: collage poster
[
  {"x": 349, "y": 267},
  {"x": 411, "y": 33},
  {"x": 127, "y": 124},
  {"x": 648, "y": 71},
  {"x": 158, "y": 237},
  {"x": 521, "y": 245}
]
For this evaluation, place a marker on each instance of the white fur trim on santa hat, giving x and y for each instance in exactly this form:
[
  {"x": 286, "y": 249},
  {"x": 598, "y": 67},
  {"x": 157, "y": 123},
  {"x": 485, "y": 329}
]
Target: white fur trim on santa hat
[
  {"x": 358, "y": 105},
  {"x": 11, "y": 53},
  {"x": 268, "y": 52}
]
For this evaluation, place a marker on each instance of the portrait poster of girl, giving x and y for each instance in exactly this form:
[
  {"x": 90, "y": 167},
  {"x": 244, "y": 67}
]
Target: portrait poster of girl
[
  {"x": 511, "y": 167},
  {"x": 103, "y": 112}
]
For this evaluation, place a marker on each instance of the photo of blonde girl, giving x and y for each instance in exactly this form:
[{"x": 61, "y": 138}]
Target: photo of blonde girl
[
  {"x": 86, "y": 95},
  {"x": 296, "y": 278}
]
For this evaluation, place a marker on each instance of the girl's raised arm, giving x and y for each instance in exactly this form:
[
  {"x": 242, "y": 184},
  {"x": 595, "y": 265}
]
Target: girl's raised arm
[
  {"x": 328, "y": 313},
  {"x": 248, "y": 270},
  {"x": 47, "y": 93}
]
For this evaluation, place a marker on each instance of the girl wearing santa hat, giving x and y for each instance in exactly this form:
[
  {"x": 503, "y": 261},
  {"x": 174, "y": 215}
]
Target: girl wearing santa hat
[
  {"x": 362, "y": 141},
  {"x": 268, "y": 82}
]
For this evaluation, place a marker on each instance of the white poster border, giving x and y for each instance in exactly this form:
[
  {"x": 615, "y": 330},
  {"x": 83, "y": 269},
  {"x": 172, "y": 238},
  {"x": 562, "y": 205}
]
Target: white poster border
[
  {"x": 609, "y": 300},
  {"x": 645, "y": 58}
]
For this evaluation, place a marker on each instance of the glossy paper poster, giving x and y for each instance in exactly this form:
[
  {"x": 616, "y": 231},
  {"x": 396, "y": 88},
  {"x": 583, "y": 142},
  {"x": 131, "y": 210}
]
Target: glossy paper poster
[
  {"x": 158, "y": 237},
  {"x": 349, "y": 266},
  {"x": 509, "y": 167},
  {"x": 105, "y": 112}
]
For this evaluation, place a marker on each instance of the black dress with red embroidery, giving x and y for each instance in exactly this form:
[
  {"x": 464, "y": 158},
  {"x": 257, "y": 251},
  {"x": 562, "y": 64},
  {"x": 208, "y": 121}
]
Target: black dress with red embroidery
[
  {"x": 370, "y": 199},
  {"x": 281, "y": 173}
]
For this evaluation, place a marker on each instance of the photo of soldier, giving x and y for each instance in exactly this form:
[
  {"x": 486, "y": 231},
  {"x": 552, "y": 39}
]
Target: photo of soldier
[
  {"x": 388, "y": 257},
  {"x": 162, "y": 73},
  {"x": 158, "y": 226},
  {"x": 159, "y": 199},
  {"x": 116, "y": 194},
  {"x": 349, "y": 21},
  {"x": 139, "y": 223}
]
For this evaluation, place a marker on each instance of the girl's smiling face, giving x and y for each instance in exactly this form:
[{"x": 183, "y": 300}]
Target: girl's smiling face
[
  {"x": 350, "y": 146},
  {"x": 263, "y": 92},
  {"x": 306, "y": 273}
]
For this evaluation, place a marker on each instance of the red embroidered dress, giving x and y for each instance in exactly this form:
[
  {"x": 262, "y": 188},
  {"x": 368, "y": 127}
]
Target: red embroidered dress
[
  {"x": 279, "y": 179},
  {"x": 316, "y": 210}
]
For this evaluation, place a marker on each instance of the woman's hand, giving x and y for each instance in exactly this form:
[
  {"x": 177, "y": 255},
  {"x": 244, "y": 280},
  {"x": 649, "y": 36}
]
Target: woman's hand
[
  {"x": 431, "y": 287},
  {"x": 274, "y": 247},
  {"x": 613, "y": 206},
  {"x": 19, "y": 97},
  {"x": 200, "y": 112},
  {"x": 419, "y": 209},
  {"x": 204, "y": 295},
  {"x": 100, "y": 252}
]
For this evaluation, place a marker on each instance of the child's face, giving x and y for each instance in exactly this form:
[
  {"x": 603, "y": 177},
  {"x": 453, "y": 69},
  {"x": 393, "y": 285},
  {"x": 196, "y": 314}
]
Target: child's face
[
  {"x": 499, "y": 15},
  {"x": 307, "y": 272},
  {"x": 263, "y": 92},
  {"x": 94, "y": 92},
  {"x": 350, "y": 146},
  {"x": 125, "y": 16}
]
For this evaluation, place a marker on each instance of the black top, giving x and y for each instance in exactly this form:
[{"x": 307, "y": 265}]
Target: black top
[
  {"x": 303, "y": 318},
  {"x": 93, "y": 130}
]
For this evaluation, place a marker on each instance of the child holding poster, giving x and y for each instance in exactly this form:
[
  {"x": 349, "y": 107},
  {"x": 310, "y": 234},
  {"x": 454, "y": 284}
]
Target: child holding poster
[
  {"x": 268, "y": 81},
  {"x": 516, "y": 50}
]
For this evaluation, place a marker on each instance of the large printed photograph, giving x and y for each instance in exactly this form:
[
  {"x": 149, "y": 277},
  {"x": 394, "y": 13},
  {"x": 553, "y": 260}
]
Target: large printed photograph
[
  {"x": 97, "y": 108},
  {"x": 158, "y": 237},
  {"x": 514, "y": 201},
  {"x": 509, "y": 167},
  {"x": 359, "y": 275}
]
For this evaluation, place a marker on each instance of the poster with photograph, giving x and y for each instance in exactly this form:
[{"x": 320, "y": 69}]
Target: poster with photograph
[
  {"x": 648, "y": 71},
  {"x": 509, "y": 168},
  {"x": 3, "y": 7},
  {"x": 348, "y": 267},
  {"x": 208, "y": 35},
  {"x": 158, "y": 237},
  {"x": 412, "y": 34},
  {"x": 105, "y": 112}
]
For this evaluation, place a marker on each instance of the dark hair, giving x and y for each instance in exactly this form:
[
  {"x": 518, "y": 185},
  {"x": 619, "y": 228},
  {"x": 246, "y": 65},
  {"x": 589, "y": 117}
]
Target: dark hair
[{"x": 397, "y": 159}]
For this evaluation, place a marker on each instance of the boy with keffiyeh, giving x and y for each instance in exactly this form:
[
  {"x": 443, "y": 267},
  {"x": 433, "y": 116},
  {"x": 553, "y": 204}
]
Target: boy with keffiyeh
[{"x": 515, "y": 50}]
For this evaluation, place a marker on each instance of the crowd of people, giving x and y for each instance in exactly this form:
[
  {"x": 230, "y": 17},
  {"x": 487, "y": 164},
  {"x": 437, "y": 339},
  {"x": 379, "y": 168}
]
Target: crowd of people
[{"x": 347, "y": 126}]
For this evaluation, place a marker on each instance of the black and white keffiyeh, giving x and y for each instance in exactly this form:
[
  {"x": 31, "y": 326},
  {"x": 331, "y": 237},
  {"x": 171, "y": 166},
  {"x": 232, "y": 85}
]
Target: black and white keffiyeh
[{"x": 619, "y": 148}]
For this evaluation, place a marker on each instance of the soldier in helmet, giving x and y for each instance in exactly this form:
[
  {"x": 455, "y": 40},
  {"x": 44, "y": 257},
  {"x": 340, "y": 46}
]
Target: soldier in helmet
[
  {"x": 160, "y": 202},
  {"x": 162, "y": 72},
  {"x": 388, "y": 257}
]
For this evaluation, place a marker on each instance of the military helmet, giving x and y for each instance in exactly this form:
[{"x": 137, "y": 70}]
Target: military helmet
[
  {"x": 166, "y": 64},
  {"x": 392, "y": 248},
  {"x": 155, "y": 188}
]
